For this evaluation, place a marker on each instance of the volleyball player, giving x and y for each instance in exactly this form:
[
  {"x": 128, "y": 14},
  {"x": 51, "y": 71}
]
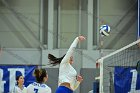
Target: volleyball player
[
  {"x": 40, "y": 85},
  {"x": 68, "y": 78},
  {"x": 19, "y": 88}
]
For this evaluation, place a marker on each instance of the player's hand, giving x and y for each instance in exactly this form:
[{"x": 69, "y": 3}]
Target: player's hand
[
  {"x": 81, "y": 38},
  {"x": 79, "y": 78}
]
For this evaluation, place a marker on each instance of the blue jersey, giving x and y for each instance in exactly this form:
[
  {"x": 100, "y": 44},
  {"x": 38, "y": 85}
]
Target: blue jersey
[{"x": 38, "y": 88}]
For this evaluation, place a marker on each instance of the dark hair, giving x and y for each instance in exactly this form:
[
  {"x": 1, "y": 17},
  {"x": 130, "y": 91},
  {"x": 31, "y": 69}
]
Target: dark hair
[
  {"x": 53, "y": 60},
  {"x": 17, "y": 78},
  {"x": 40, "y": 74}
]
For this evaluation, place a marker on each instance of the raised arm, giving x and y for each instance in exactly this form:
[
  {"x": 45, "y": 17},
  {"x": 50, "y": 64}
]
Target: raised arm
[{"x": 72, "y": 48}]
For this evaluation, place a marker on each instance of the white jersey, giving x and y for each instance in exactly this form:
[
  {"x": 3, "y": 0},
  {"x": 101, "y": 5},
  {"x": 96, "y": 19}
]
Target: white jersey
[
  {"x": 38, "y": 88},
  {"x": 66, "y": 72},
  {"x": 18, "y": 90}
]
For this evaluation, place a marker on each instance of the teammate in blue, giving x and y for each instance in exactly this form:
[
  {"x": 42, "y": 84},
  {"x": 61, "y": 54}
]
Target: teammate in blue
[
  {"x": 68, "y": 78},
  {"x": 40, "y": 85}
]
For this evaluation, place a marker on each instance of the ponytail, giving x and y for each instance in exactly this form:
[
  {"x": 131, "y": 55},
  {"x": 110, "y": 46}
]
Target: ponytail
[{"x": 53, "y": 60}]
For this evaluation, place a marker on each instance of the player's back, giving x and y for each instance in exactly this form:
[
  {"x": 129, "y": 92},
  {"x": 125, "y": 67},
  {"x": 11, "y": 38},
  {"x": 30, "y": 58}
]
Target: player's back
[{"x": 38, "y": 88}]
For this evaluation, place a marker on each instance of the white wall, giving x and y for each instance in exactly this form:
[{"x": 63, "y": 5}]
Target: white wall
[
  {"x": 82, "y": 58},
  {"x": 19, "y": 23},
  {"x": 14, "y": 33},
  {"x": 121, "y": 16}
]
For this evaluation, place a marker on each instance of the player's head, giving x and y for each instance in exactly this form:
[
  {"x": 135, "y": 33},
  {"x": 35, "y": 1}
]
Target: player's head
[
  {"x": 54, "y": 61},
  {"x": 20, "y": 80},
  {"x": 41, "y": 75}
]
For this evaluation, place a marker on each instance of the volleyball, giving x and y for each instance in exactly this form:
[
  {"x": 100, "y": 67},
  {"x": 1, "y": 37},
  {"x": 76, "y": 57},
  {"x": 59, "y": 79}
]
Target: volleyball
[{"x": 104, "y": 30}]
